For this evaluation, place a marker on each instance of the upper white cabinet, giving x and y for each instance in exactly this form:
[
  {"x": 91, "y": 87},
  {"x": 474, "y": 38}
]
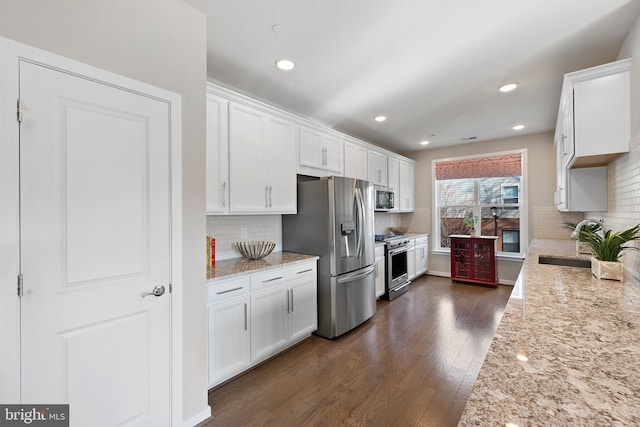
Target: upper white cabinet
[
  {"x": 217, "y": 183},
  {"x": 405, "y": 198},
  {"x": 355, "y": 160},
  {"x": 393, "y": 180},
  {"x": 595, "y": 115},
  {"x": 261, "y": 162},
  {"x": 377, "y": 167},
  {"x": 321, "y": 152}
]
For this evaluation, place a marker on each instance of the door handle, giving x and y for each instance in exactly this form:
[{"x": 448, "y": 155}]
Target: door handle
[{"x": 156, "y": 292}]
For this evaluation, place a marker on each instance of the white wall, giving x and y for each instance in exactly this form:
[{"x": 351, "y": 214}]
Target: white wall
[{"x": 163, "y": 43}]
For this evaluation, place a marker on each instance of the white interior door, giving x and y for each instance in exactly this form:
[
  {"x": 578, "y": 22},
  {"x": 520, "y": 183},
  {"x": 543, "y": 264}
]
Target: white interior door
[{"x": 95, "y": 235}]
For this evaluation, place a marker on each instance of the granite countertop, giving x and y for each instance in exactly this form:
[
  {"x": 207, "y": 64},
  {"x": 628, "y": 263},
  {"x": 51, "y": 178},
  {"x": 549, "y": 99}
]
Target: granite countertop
[
  {"x": 582, "y": 340},
  {"x": 228, "y": 268}
]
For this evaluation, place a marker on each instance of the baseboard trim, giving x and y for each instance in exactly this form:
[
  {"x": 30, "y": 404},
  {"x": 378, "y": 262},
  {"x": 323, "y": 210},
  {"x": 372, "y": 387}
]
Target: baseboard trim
[{"x": 198, "y": 418}]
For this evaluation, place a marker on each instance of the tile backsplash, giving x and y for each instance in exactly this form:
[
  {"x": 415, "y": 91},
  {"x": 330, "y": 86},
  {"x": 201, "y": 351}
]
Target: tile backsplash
[{"x": 228, "y": 229}]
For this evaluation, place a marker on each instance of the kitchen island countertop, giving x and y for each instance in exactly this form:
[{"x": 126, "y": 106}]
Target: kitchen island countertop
[
  {"x": 227, "y": 268},
  {"x": 581, "y": 337}
]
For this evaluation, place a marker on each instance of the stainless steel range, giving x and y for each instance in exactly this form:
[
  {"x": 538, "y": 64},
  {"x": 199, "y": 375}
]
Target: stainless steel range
[{"x": 397, "y": 273}]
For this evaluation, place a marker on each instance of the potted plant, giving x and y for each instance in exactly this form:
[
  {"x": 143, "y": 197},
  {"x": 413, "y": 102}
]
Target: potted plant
[
  {"x": 474, "y": 225},
  {"x": 581, "y": 246},
  {"x": 606, "y": 250}
]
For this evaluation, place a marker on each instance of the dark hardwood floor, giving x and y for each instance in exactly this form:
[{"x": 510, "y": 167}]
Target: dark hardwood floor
[{"x": 413, "y": 363}]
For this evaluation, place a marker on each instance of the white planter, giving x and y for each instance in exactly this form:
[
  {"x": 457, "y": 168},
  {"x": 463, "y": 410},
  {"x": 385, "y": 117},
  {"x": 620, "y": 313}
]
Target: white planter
[{"x": 610, "y": 270}]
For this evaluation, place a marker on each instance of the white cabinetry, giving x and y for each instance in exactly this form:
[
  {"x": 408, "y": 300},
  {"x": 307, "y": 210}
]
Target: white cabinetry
[
  {"x": 257, "y": 315},
  {"x": 411, "y": 259},
  {"x": 595, "y": 114},
  {"x": 355, "y": 160},
  {"x": 261, "y": 162},
  {"x": 377, "y": 167},
  {"x": 393, "y": 180},
  {"x": 321, "y": 152},
  {"x": 422, "y": 254},
  {"x": 380, "y": 270},
  {"x": 229, "y": 333},
  {"x": 405, "y": 198},
  {"x": 217, "y": 181},
  {"x": 283, "y": 308}
]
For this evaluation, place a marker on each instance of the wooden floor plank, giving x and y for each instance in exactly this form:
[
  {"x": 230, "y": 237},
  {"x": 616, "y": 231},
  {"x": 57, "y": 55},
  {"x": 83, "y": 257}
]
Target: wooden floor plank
[{"x": 413, "y": 364}]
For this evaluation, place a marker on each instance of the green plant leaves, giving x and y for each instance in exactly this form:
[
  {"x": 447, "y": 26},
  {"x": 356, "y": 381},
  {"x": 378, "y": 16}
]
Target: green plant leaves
[{"x": 609, "y": 247}]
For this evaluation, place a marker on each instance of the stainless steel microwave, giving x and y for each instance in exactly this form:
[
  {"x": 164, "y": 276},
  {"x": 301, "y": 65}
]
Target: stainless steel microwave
[{"x": 384, "y": 198}]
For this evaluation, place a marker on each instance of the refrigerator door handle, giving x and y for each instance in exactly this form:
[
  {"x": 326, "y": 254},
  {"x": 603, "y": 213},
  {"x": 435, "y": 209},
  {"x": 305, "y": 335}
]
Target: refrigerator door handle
[
  {"x": 359, "y": 220},
  {"x": 358, "y": 274}
]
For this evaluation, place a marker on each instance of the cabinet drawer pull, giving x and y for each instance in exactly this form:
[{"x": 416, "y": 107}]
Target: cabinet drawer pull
[
  {"x": 305, "y": 271},
  {"x": 271, "y": 280},
  {"x": 229, "y": 290}
]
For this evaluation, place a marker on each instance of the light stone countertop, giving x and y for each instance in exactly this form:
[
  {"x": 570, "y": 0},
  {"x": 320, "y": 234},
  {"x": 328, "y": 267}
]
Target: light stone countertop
[
  {"x": 228, "y": 268},
  {"x": 582, "y": 339}
]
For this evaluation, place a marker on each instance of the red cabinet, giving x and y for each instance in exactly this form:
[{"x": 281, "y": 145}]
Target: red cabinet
[{"x": 473, "y": 259}]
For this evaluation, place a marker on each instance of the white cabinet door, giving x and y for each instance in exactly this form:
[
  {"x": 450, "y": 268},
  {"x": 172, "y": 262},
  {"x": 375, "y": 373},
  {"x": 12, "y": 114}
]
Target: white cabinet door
[
  {"x": 95, "y": 206},
  {"x": 248, "y": 194},
  {"x": 269, "y": 321},
  {"x": 422, "y": 255},
  {"x": 302, "y": 300},
  {"x": 406, "y": 187},
  {"x": 217, "y": 182},
  {"x": 355, "y": 160},
  {"x": 411, "y": 263},
  {"x": 380, "y": 271},
  {"x": 279, "y": 167},
  {"x": 229, "y": 339},
  {"x": 320, "y": 152},
  {"x": 393, "y": 180},
  {"x": 261, "y": 162},
  {"x": 377, "y": 167}
]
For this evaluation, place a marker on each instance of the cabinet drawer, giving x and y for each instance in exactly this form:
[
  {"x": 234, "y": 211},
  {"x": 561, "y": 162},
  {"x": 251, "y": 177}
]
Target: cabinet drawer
[
  {"x": 227, "y": 289},
  {"x": 421, "y": 241},
  {"x": 280, "y": 275}
]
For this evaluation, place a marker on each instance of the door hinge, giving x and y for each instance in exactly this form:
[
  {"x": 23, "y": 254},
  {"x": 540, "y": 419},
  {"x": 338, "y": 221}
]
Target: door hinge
[
  {"x": 20, "y": 285},
  {"x": 19, "y": 110}
]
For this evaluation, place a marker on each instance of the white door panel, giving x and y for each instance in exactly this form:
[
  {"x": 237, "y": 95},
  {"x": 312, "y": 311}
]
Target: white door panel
[{"x": 95, "y": 210}]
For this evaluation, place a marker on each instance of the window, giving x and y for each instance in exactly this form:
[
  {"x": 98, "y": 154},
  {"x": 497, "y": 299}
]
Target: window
[{"x": 487, "y": 188}]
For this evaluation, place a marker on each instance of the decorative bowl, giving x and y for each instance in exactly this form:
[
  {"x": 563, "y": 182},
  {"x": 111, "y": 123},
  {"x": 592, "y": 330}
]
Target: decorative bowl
[
  {"x": 254, "y": 250},
  {"x": 398, "y": 231}
]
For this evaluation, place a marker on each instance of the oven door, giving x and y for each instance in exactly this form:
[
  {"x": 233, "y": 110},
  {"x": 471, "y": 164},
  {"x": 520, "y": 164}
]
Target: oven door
[{"x": 397, "y": 280}]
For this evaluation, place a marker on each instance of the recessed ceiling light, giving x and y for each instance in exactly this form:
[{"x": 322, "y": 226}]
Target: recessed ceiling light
[
  {"x": 380, "y": 118},
  {"x": 518, "y": 127},
  {"x": 508, "y": 87},
  {"x": 276, "y": 28},
  {"x": 285, "y": 64},
  {"x": 425, "y": 142}
]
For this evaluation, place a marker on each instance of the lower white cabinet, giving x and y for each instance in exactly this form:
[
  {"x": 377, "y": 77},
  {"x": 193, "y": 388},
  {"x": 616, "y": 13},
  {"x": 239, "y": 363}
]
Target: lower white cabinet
[
  {"x": 411, "y": 259},
  {"x": 380, "y": 270},
  {"x": 422, "y": 254},
  {"x": 229, "y": 329},
  {"x": 254, "y": 317}
]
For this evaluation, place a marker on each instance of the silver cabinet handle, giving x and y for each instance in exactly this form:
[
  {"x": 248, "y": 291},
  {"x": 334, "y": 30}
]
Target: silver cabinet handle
[
  {"x": 288, "y": 302},
  {"x": 228, "y": 290},
  {"x": 270, "y": 190},
  {"x": 245, "y": 316},
  {"x": 304, "y": 271},
  {"x": 224, "y": 196},
  {"x": 272, "y": 279},
  {"x": 266, "y": 196},
  {"x": 156, "y": 292},
  {"x": 291, "y": 300}
]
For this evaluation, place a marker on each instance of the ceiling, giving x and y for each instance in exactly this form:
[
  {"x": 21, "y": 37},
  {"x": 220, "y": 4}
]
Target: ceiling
[{"x": 432, "y": 67}]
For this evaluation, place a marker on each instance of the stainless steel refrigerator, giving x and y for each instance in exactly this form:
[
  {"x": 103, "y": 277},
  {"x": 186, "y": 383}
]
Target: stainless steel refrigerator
[{"x": 335, "y": 222}]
